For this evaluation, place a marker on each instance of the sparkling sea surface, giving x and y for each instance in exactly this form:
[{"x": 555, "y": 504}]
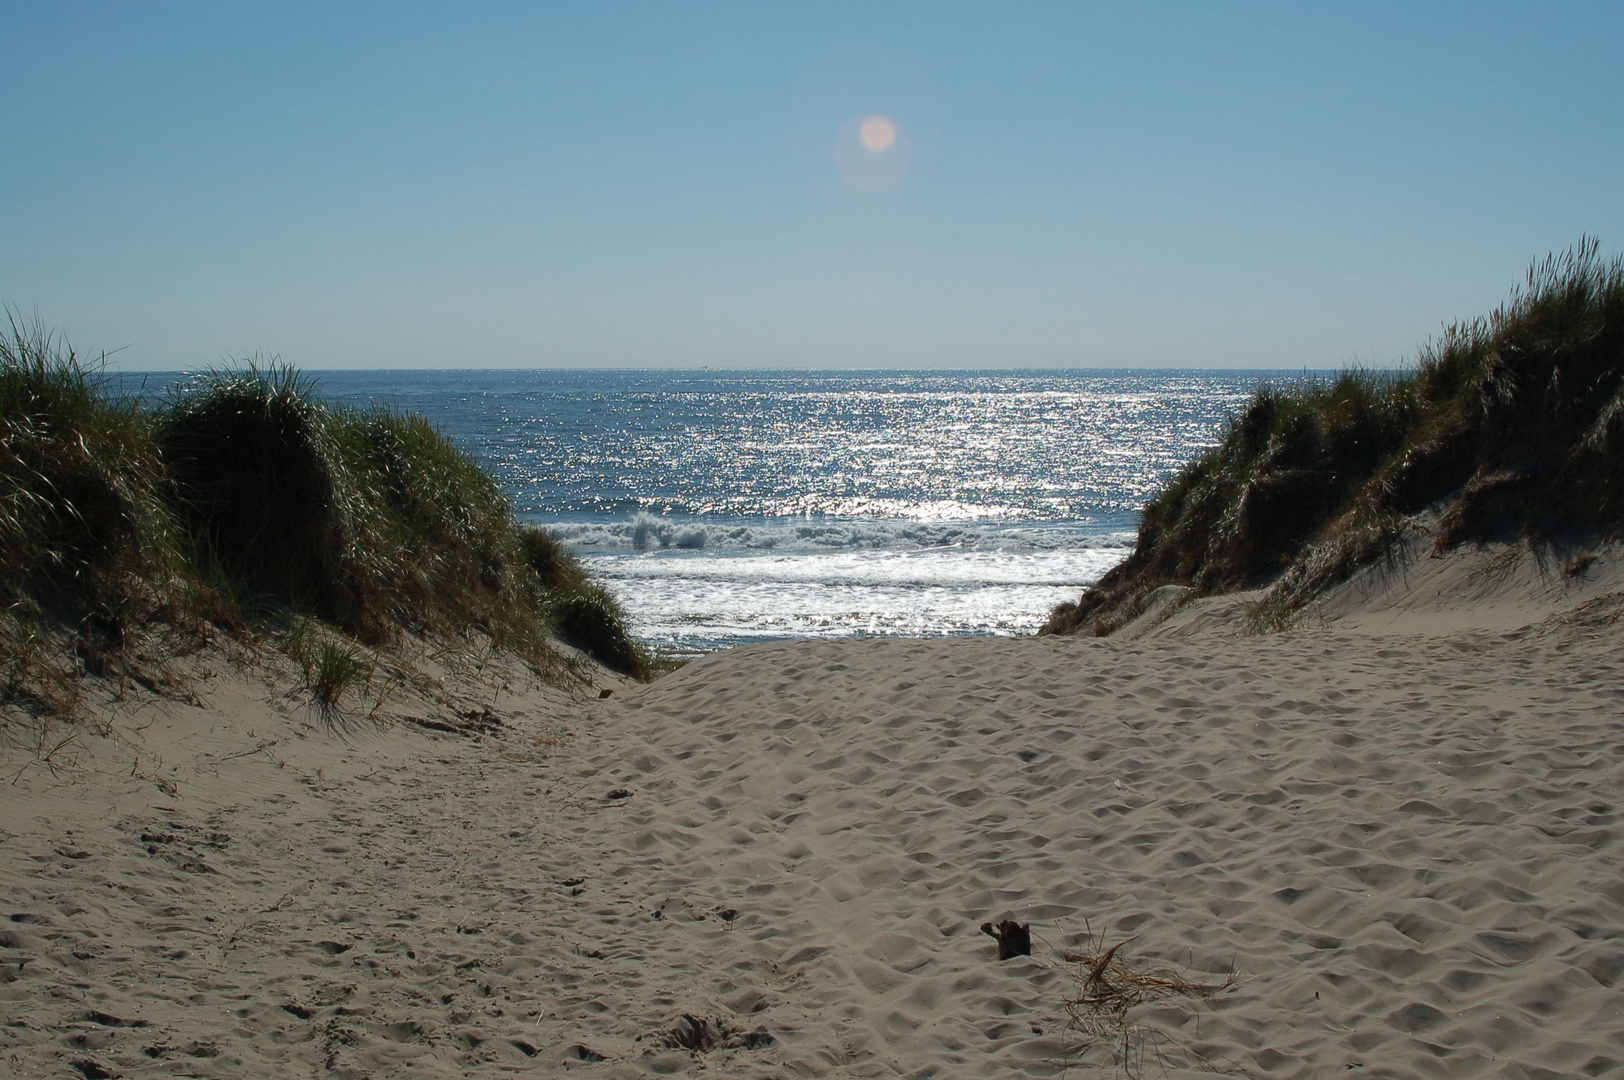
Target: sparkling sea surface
[{"x": 733, "y": 506}]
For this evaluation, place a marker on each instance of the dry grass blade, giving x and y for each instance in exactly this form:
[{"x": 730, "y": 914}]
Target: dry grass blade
[
  {"x": 1109, "y": 990},
  {"x": 1110, "y": 987}
]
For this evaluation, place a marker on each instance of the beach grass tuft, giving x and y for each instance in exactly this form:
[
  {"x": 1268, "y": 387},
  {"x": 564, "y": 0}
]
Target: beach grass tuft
[
  {"x": 242, "y": 501},
  {"x": 555, "y": 566},
  {"x": 1509, "y": 425},
  {"x": 87, "y": 541},
  {"x": 590, "y": 618},
  {"x": 330, "y": 665}
]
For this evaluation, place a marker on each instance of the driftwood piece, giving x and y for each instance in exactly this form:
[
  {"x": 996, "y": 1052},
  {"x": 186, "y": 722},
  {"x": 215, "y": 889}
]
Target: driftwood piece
[{"x": 1014, "y": 939}]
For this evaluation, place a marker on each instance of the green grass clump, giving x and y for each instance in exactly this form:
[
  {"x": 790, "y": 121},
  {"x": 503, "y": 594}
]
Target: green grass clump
[
  {"x": 592, "y": 620},
  {"x": 584, "y": 613},
  {"x": 1510, "y": 424},
  {"x": 372, "y": 520},
  {"x": 87, "y": 542},
  {"x": 555, "y": 566},
  {"x": 250, "y": 468},
  {"x": 81, "y": 514},
  {"x": 244, "y": 499},
  {"x": 330, "y": 665}
]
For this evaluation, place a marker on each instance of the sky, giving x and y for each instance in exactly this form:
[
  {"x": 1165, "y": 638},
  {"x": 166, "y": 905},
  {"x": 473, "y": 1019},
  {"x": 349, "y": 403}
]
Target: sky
[{"x": 868, "y": 185}]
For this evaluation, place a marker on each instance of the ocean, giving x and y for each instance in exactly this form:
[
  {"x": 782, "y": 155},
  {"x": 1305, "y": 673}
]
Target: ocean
[{"x": 735, "y": 506}]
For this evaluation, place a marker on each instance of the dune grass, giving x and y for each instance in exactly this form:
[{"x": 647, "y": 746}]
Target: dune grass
[
  {"x": 87, "y": 542},
  {"x": 584, "y": 613},
  {"x": 1507, "y": 425},
  {"x": 332, "y": 666},
  {"x": 245, "y": 502}
]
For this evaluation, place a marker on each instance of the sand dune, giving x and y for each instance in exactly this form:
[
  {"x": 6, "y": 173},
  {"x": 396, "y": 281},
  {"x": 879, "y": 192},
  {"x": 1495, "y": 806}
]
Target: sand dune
[{"x": 1406, "y": 848}]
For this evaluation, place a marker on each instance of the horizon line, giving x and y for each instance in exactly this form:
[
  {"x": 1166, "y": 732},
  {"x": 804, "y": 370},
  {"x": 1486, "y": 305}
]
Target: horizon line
[{"x": 231, "y": 364}]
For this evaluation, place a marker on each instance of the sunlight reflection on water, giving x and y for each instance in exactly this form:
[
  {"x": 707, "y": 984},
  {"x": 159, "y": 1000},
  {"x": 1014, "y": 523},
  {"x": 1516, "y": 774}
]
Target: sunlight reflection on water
[{"x": 728, "y": 506}]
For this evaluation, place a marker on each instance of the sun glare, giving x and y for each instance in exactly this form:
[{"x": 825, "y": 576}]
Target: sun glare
[
  {"x": 872, "y": 152},
  {"x": 877, "y": 133}
]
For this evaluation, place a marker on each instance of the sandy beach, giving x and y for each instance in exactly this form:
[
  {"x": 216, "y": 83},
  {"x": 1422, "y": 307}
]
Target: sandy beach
[
  {"x": 1403, "y": 847},
  {"x": 811, "y": 541}
]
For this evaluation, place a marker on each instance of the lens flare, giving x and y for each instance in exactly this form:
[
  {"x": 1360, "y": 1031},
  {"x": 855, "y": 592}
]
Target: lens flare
[
  {"x": 877, "y": 133},
  {"x": 872, "y": 152}
]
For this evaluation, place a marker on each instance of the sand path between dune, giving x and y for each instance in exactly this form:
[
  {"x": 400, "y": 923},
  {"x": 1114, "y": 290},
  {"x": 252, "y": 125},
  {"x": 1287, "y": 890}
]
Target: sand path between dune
[{"x": 1406, "y": 848}]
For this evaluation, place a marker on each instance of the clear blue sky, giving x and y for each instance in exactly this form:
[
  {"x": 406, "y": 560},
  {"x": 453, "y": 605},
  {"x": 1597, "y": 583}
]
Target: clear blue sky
[{"x": 572, "y": 185}]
